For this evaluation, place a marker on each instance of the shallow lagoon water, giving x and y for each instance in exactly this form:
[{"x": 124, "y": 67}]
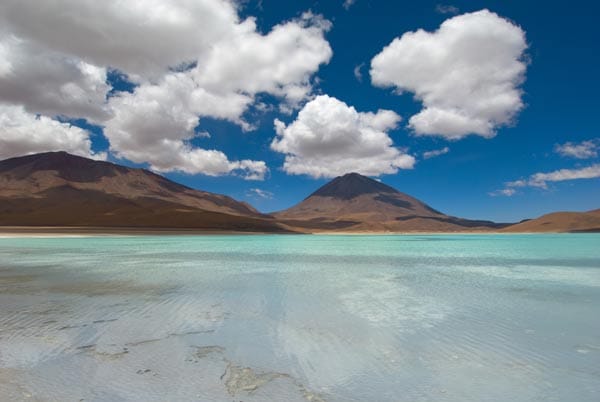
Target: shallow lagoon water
[{"x": 301, "y": 318}]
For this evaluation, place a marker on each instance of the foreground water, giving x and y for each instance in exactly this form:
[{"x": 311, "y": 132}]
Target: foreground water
[{"x": 301, "y": 318}]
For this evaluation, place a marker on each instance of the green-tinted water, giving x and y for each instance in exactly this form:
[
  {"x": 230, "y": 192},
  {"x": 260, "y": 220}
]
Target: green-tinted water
[{"x": 285, "y": 318}]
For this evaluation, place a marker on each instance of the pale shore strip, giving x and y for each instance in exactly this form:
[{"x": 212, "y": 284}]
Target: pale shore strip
[{"x": 80, "y": 231}]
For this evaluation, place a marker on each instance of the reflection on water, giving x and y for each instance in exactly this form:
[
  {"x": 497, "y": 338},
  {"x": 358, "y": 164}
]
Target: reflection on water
[{"x": 301, "y": 318}]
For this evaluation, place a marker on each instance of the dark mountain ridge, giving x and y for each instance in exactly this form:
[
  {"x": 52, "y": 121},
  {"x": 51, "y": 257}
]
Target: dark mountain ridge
[
  {"x": 60, "y": 189},
  {"x": 67, "y": 166},
  {"x": 351, "y": 185}
]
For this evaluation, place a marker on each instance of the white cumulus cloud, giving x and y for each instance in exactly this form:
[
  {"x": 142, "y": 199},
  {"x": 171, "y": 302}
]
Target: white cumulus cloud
[
  {"x": 189, "y": 58},
  {"x": 467, "y": 74},
  {"x": 330, "y": 138},
  {"x": 155, "y": 123},
  {"x": 279, "y": 63},
  {"x": 582, "y": 150},
  {"x": 51, "y": 83},
  {"x": 142, "y": 38},
  {"x": 23, "y": 133}
]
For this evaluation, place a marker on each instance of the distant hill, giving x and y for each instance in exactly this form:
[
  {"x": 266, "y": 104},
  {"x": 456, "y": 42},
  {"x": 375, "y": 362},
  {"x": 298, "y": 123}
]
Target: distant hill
[
  {"x": 560, "y": 222},
  {"x": 355, "y": 202},
  {"x": 60, "y": 189}
]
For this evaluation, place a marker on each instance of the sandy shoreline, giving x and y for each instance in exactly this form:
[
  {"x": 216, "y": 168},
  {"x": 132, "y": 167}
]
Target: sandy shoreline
[{"x": 64, "y": 231}]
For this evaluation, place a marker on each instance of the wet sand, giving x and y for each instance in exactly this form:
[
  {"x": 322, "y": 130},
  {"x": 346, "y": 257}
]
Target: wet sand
[
  {"x": 66, "y": 231},
  {"x": 75, "y": 232},
  {"x": 79, "y": 231}
]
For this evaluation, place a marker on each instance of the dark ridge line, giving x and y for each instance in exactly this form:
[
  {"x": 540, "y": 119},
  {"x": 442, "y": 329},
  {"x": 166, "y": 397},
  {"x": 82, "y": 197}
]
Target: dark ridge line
[
  {"x": 457, "y": 221},
  {"x": 352, "y": 185}
]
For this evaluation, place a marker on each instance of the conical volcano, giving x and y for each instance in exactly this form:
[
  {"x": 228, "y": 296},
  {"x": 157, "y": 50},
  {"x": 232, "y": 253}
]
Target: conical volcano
[
  {"x": 352, "y": 185},
  {"x": 356, "y": 202}
]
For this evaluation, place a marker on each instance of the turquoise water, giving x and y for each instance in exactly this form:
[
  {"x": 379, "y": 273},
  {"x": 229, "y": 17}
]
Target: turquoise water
[{"x": 301, "y": 318}]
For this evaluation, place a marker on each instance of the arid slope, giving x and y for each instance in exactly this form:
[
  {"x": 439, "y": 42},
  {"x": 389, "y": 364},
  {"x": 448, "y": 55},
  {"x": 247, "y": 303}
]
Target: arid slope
[
  {"x": 59, "y": 189},
  {"x": 560, "y": 222}
]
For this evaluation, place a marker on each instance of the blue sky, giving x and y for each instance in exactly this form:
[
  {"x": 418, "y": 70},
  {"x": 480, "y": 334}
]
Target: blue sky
[{"x": 559, "y": 101}]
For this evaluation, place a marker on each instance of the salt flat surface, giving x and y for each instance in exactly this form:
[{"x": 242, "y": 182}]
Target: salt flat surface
[{"x": 301, "y": 318}]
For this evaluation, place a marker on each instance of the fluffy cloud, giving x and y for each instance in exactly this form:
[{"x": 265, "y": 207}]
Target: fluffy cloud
[
  {"x": 55, "y": 54},
  {"x": 467, "y": 74},
  {"x": 23, "y": 133},
  {"x": 140, "y": 37},
  {"x": 583, "y": 150},
  {"x": 435, "y": 152},
  {"x": 190, "y": 59},
  {"x": 330, "y": 138},
  {"x": 156, "y": 123},
  {"x": 51, "y": 83},
  {"x": 179, "y": 156},
  {"x": 541, "y": 180},
  {"x": 279, "y": 63}
]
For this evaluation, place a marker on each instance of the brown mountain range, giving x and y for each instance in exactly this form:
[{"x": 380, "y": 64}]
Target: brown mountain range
[
  {"x": 62, "y": 190},
  {"x": 59, "y": 189}
]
